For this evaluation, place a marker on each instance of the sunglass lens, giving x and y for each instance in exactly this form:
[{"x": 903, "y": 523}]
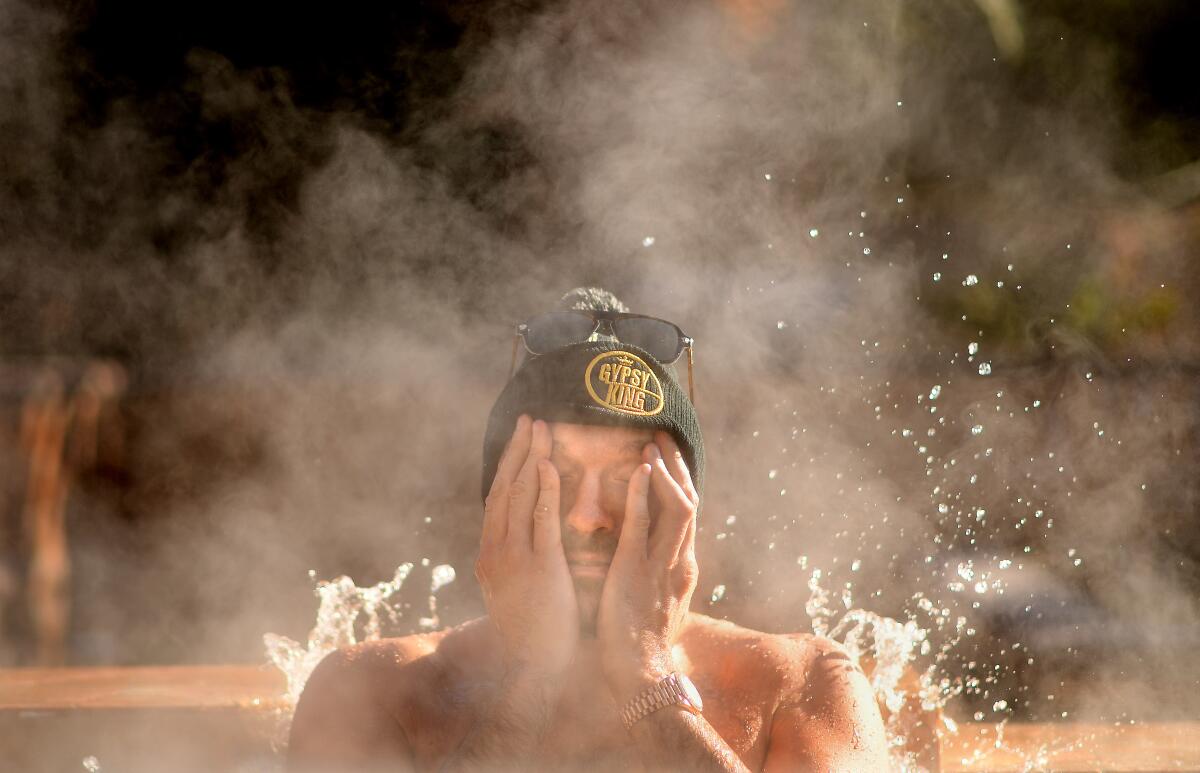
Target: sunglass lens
[
  {"x": 661, "y": 339},
  {"x": 553, "y": 330}
]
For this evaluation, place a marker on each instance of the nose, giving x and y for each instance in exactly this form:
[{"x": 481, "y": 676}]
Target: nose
[{"x": 586, "y": 513}]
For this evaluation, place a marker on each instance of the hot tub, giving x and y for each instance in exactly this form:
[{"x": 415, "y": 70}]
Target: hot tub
[{"x": 223, "y": 718}]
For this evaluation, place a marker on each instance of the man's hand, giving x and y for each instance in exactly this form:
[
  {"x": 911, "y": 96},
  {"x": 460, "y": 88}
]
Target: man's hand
[
  {"x": 530, "y": 600},
  {"x": 521, "y": 566},
  {"x": 652, "y": 575}
]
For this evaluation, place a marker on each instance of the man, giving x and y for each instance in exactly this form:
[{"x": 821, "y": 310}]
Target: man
[{"x": 589, "y": 657}]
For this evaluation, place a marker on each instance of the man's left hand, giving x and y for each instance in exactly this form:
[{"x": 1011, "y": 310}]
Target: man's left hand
[{"x": 653, "y": 572}]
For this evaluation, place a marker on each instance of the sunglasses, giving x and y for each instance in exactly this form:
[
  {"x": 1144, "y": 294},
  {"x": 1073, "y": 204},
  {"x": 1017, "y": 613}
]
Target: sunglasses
[{"x": 662, "y": 340}]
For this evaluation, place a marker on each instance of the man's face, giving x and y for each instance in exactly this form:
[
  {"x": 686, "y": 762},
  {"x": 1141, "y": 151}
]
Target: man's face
[{"x": 594, "y": 465}]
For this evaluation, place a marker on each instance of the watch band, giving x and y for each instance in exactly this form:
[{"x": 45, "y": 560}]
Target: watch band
[{"x": 669, "y": 691}]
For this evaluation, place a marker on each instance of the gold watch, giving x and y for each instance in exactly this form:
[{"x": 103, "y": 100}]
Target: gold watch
[{"x": 674, "y": 689}]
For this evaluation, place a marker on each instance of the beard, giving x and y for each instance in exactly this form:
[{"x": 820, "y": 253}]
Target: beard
[
  {"x": 588, "y": 589},
  {"x": 587, "y": 596}
]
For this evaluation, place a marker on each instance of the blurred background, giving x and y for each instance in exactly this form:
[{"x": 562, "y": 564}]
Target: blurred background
[{"x": 260, "y": 264}]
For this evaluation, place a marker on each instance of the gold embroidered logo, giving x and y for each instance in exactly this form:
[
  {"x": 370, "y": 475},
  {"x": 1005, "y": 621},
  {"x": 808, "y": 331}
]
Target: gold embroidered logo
[{"x": 624, "y": 382}]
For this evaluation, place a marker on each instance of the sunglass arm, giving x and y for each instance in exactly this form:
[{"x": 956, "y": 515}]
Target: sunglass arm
[{"x": 691, "y": 377}]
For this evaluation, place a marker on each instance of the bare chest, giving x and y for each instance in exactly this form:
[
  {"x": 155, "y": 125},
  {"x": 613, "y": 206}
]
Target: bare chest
[{"x": 585, "y": 732}]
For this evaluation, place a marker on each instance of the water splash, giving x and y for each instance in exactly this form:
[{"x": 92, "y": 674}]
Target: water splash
[
  {"x": 891, "y": 649},
  {"x": 442, "y": 574},
  {"x": 342, "y": 606}
]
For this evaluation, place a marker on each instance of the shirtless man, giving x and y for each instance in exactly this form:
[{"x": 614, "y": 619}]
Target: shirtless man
[{"x": 589, "y": 657}]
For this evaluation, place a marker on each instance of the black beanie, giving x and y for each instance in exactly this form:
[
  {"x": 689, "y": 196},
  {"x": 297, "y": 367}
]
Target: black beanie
[{"x": 599, "y": 382}]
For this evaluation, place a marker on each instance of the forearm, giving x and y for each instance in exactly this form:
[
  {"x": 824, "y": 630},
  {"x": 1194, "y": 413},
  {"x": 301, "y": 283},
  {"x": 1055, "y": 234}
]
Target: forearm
[
  {"x": 675, "y": 739},
  {"x": 511, "y": 727}
]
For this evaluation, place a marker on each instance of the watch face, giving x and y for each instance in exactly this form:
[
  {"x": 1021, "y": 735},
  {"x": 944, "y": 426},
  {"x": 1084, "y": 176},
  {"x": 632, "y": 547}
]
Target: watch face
[{"x": 689, "y": 691}]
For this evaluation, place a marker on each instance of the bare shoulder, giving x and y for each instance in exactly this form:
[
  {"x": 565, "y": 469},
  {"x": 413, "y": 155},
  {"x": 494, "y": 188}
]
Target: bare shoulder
[
  {"x": 360, "y": 700},
  {"x": 362, "y": 673},
  {"x": 820, "y": 710},
  {"x": 377, "y": 668},
  {"x": 793, "y": 663}
]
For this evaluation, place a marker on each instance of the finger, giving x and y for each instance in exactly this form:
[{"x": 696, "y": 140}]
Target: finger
[
  {"x": 687, "y": 548},
  {"x": 677, "y": 509},
  {"x": 635, "y": 531},
  {"x": 523, "y": 492},
  {"x": 547, "y": 532},
  {"x": 676, "y": 464},
  {"x": 495, "y": 508},
  {"x": 518, "y": 449}
]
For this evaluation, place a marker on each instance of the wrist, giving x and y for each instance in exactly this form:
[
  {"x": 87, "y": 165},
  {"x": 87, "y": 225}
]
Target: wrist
[{"x": 625, "y": 683}]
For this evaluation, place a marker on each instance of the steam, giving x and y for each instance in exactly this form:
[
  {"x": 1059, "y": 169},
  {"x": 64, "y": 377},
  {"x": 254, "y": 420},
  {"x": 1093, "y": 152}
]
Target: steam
[{"x": 321, "y": 317}]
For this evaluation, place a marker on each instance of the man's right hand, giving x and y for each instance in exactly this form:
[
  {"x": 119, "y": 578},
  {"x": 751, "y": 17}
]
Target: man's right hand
[{"x": 521, "y": 565}]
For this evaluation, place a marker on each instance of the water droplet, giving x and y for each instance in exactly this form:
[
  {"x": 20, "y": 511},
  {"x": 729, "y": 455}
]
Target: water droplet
[
  {"x": 970, "y": 280},
  {"x": 780, "y": 325},
  {"x": 766, "y": 176},
  {"x": 855, "y": 565},
  {"x": 985, "y": 368},
  {"x": 91, "y": 764},
  {"x": 648, "y": 241},
  {"x": 1005, "y": 564},
  {"x": 1000, "y": 705},
  {"x": 866, "y": 250},
  {"x": 771, "y": 474},
  {"x": 718, "y": 593},
  {"x": 977, "y": 429},
  {"x": 442, "y": 575},
  {"x": 943, "y": 508},
  {"x": 973, "y": 347},
  {"x": 813, "y": 232},
  {"x": 731, "y": 520},
  {"x": 933, "y": 393},
  {"x": 937, "y": 276}
]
